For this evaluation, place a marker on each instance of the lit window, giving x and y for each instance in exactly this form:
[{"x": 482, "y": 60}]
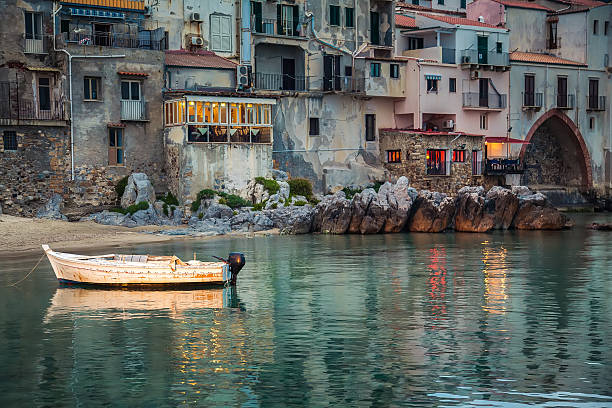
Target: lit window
[
  {"x": 436, "y": 162},
  {"x": 394, "y": 156},
  {"x": 459, "y": 156}
]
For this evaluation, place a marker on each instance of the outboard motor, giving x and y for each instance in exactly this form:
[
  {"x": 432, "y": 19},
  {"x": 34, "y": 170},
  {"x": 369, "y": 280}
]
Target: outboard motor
[{"x": 236, "y": 263}]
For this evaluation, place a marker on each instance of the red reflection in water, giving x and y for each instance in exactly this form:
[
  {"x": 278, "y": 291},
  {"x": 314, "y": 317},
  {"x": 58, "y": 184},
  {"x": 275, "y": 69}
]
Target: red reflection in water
[{"x": 437, "y": 282}]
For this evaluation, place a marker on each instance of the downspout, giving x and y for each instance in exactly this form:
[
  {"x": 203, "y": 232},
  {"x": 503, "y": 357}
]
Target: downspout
[{"x": 70, "y": 57}]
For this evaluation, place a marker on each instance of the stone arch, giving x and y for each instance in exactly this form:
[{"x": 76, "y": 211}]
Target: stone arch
[{"x": 576, "y": 156}]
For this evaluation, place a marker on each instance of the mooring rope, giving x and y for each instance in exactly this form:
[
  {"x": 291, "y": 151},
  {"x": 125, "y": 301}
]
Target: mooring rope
[{"x": 29, "y": 273}]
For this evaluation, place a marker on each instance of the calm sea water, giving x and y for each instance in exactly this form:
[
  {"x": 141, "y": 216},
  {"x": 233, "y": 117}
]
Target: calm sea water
[{"x": 489, "y": 320}]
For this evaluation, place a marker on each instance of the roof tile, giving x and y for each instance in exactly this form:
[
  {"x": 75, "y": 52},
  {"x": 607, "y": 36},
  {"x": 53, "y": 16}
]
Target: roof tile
[
  {"x": 405, "y": 21},
  {"x": 458, "y": 20},
  {"x": 541, "y": 59},
  {"x": 523, "y": 4},
  {"x": 202, "y": 59}
]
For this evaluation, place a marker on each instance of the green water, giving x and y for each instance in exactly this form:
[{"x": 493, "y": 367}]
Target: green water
[{"x": 504, "y": 319}]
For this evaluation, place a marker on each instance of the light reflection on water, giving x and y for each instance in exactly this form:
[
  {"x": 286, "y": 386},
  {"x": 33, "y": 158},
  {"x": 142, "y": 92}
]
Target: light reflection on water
[{"x": 499, "y": 320}]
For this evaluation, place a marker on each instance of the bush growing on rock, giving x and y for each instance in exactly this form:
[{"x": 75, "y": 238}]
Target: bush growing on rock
[
  {"x": 300, "y": 187},
  {"x": 350, "y": 192},
  {"x": 233, "y": 201},
  {"x": 120, "y": 187},
  {"x": 170, "y": 199},
  {"x": 271, "y": 186},
  {"x": 205, "y": 194},
  {"x": 143, "y": 205}
]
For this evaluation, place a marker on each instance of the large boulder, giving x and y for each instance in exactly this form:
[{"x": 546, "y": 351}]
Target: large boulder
[
  {"x": 431, "y": 212},
  {"x": 52, "y": 209},
  {"x": 470, "y": 212},
  {"x": 111, "y": 218},
  {"x": 280, "y": 198},
  {"x": 255, "y": 193},
  {"x": 146, "y": 217},
  {"x": 215, "y": 210},
  {"x": 292, "y": 220},
  {"x": 332, "y": 214},
  {"x": 242, "y": 221},
  {"x": 262, "y": 222},
  {"x": 138, "y": 189},
  {"x": 279, "y": 175},
  {"x": 210, "y": 226},
  {"x": 400, "y": 198},
  {"x": 536, "y": 213},
  {"x": 503, "y": 204},
  {"x": 369, "y": 210}
]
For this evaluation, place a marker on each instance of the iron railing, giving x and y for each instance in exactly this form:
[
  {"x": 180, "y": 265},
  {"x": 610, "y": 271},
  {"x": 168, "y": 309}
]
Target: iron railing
[
  {"x": 532, "y": 99},
  {"x": 35, "y": 44},
  {"x": 133, "y": 110},
  {"x": 490, "y": 101},
  {"x": 448, "y": 56},
  {"x": 474, "y": 57},
  {"x": 565, "y": 101},
  {"x": 275, "y": 27},
  {"x": 503, "y": 166},
  {"x": 281, "y": 82},
  {"x": 143, "y": 40},
  {"x": 596, "y": 102},
  {"x": 14, "y": 109}
]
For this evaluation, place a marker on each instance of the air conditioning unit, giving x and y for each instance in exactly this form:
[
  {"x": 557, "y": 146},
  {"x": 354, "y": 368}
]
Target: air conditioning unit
[
  {"x": 465, "y": 59},
  {"x": 475, "y": 75},
  {"x": 449, "y": 124},
  {"x": 242, "y": 77},
  {"x": 197, "y": 41},
  {"x": 196, "y": 17},
  {"x": 147, "y": 10}
]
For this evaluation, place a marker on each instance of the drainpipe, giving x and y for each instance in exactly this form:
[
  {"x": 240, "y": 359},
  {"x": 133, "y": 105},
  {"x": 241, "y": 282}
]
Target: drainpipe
[{"x": 70, "y": 57}]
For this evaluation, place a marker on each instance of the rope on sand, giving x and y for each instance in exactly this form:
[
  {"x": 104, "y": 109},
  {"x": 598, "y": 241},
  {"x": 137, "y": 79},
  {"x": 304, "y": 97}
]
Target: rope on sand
[{"x": 25, "y": 277}]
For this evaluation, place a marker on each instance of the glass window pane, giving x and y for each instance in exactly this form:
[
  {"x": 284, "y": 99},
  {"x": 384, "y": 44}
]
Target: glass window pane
[
  {"x": 200, "y": 112},
  {"x": 191, "y": 109},
  {"x": 125, "y": 90},
  {"x": 119, "y": 156},
  {"x": 86, "y": 88},
  {"x": 135, "y": 91},
  {"x": 111, "y": 137},
  {"x": 215, "y": 109},
  {"x": 223, "y": 112},
  {"x": 233, "y": 113},
  {"x": 207, "y": 112},
  {"x": 119, "y": 133}
]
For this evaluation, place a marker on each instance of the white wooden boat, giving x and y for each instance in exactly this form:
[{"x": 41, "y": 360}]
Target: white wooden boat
[{"x": 142, "y": 270}]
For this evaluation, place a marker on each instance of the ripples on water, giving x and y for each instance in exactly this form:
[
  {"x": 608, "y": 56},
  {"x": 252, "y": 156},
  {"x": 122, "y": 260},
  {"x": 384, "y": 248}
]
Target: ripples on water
[{"x": 495, "y": 320}]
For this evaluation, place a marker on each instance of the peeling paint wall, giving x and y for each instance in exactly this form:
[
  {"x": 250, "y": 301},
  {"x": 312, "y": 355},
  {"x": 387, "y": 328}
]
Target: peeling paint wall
[{"x": 194, "y": 78}]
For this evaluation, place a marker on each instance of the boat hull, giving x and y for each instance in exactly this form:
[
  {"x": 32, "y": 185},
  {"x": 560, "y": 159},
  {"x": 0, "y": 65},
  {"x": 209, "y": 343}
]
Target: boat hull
[{"x": 78, "y": 271}]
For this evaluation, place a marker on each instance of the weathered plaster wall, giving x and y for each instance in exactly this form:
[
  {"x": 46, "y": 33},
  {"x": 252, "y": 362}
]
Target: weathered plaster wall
[
  {"x": 414, "y": 147},
  {"x": 573, "y": 31},
  {"x": 528, "y": 29},
  {"x": 493, "y": 13},
  {"x": 192, "y": 78}
]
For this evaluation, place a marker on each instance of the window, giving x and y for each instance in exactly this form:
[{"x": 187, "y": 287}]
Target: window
[
  {"x": 483, "y": 121},
  {"x": 441, "y": 2},
  {"x": 287, "y": 20},
  {"x": 462, "y": 4},
  {"x": 91, "y": 87},
  {"x": 44, "y": 93},
  {"x": 334, "y": 15},
  {"x": 374, "y": 69},
  {"x": 102, "y": 34},
  {"x": 562, "y": 92},
  {"x": 415, "y": 43},
  {"x": 33, "y": 26},
  {"x": 436, "y": 162},
  {"x": 476, "y": 162},
  {"x": 394, "y": 156},
  {"x": 595, "y": 27},
  {"x": 220, "y": 33},
  {"x": 348, "y": 71},
  {"x": 432, "y": 85},
  {"x": 498, "y": 47},
  {"x": 314, "y": 127},
  {"x": 370, "y": 123},
  {"x": 529, "y": 95},
  {"x": 593, "y": 93},
  {"x": 130, "y": 90},
  {"x": 65, "y": 26},
  {"x": 394, "y": 70},
  {"x": 115, "y": 146},
  {"x": 591, "y": 123},
  {"x": 452, "y": 84},
  {"x": 552, "y": 35},
  {"x": 606, "y": 27},
  {"x": 349, "y": 17},
  {"x": 174, "y": 113},
  {"x": 10, "y": 140},
  {"x": 459, "y": 156}
]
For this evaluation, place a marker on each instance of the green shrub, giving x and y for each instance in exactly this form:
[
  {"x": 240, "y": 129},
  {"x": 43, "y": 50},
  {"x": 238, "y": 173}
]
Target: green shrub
[
  {"x": 350, "y": 192},
  {"x": 170, "y": 199},
  {"x": 206, "y": 194},
  {"x": 172, "y": 207},
  {"x": 143, "y": 205},
  {"x": 300, "y": 203},
  {"x": 271, "y": 186},
  {"x": 165, "y": 209},
  {"x": 235, "y": 212},
  {"x": 313, "y": 201},
  {"x": 222, "y": 201},
  {"x": 201, "y": 215},
  {"x": 300, "y": 186},
  {"x": 120, "y": 187},
  {"x": 259, "y": 207},
  {"x": 118, "y": 210},
  {"x": 234, "y": 201},
  {"x": 221, "y": 194},
  {"x": 274, "y": 206}
]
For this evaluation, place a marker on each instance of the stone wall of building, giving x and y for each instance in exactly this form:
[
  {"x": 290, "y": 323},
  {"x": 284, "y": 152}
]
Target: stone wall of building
[{"x": 414, "y": 146}]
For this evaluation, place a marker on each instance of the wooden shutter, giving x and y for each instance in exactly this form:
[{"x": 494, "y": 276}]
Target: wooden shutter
[
  {"x": 296, "y": 20},
  {"x": 215, "y": 32},
  {"x": 226, "y": 33},
  {"x": 279, "y": 20}
]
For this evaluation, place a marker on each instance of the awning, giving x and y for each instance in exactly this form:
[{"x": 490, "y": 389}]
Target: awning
[
  {"x": 261, "y": 101},
  {"x": 43, "y": 69},
  {"x": 96, "y": 13},
  {"x": 497, "y": 139},
  {"x": 136, "y": 74},
  {"x": 433, "y": 76}
]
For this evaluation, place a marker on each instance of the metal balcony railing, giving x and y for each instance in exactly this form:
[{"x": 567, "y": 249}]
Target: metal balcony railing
[
  {"x": 143, "y": 40},
  {"x": 280, "y": 82},
  {"x": 275, "y": 27},
  {"x": 596, "y": 102},
  {"x": 35, "y": 44},
  {"x": 491, "y": 101},
  {"x": 503, "y": 166},
  {"x": 493, "y": 58},
  {"x": 13, "y": 109},
  {"x": 448, "y": 56},
  {"x": 133, "y": 110},
  {"x": 532, "y": 100},
  {"x": 565, "y": 101}
]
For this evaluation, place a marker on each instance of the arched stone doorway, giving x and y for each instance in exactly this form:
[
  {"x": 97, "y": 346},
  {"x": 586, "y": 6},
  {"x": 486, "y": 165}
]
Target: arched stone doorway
[{"x": 556, "y": 156}]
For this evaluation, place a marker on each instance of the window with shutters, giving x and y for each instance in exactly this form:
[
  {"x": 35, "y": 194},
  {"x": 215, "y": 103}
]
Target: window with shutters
[
  {"x": 10, "y": 140},
  {"x": 394, "y": 156},
  {"x": 221, "y": 33},
  {"x": 334, "y": 15},
  {"x": 529, "y": 95},
  {"x": 349, "y": 17},
  {"x": 115, "y": 146},
  {"x": 593, "y": 98},
  {"x": 287, "y": 20}
]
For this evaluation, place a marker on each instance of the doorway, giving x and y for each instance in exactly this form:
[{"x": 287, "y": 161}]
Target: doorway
[
  {"x": 483, "y": 92},
  {"x": 483, "y": 49},
  {"x": 288, "y": 74}
]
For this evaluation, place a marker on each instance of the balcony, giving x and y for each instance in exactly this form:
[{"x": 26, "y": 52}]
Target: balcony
[
  {"x": 475, "y": 101},
  {"x": 532, "y": 100},
  {"x": 143, "y": 40},
  {"x": 443, "y": 55},
  {"x": 35, "y": 44},
  {"x": 277, "y": 28},
  {"x": 565, "y": 101},
  {"x": 135, "y": 111},
  {"x": 13, "y": 110},
  {"x": 138, "y": 5},
  {"x": 596, "y": 103},
  {"x": 281, "y": 82},
  {"x": 490, "y": 58},
  {"x": 503, "y": 166},
  {"x": 381, "y": 38}
]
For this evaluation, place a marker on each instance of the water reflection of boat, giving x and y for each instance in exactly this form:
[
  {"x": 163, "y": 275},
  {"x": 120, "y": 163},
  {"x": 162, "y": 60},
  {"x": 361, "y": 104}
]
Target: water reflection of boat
[
  {"x": 88, "y": 301},
  {"x": 113, "y": 269}
]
